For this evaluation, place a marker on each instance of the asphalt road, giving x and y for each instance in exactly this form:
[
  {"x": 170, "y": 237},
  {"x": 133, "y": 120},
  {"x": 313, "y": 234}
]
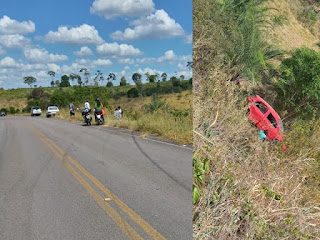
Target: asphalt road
[{"x": 63, "y": 180}]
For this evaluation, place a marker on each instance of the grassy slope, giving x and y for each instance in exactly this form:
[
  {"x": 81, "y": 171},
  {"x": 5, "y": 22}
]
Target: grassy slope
[
  {"x": 251, "y": 189},
  {"x": 291, "y": 33}
]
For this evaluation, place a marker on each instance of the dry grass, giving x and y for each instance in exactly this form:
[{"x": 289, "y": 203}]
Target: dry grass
[
  {"x": 252, "y": 190},
  {"x": 160, "y": 123},
  {"x": 292, "y": 34},
  {"x": 19, "y": 103}
]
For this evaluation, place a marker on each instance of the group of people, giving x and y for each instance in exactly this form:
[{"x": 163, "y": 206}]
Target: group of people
[
  {"x": 98, "y": 109},
  {"x": 118, "y": 113}
]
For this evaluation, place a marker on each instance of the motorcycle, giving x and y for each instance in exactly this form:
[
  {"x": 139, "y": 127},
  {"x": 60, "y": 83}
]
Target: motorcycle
[
  {"x": 99, "y": 118},
  {"x": 86, "y": 116}
]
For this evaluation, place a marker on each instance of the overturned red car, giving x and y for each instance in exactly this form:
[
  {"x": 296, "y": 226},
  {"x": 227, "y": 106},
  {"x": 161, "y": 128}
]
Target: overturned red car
[{"x": 265, "y": 118}]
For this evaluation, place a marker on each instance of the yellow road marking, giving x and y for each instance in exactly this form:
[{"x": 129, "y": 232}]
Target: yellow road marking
[
  {"x": 124, "y": 226},
  {"x": 135, "y": 217}
]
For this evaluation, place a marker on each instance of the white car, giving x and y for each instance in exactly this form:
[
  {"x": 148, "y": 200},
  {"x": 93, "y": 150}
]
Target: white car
[
  {"x": 35, "y": 111},
  {"x": 52, "y": 111}
]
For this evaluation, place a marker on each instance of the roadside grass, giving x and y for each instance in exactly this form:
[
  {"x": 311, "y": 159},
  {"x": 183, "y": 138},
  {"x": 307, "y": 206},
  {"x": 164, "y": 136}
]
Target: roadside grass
[
  {"x": 251, "y": 189},
  {"x": 160, "y": 123},
  {"x": 173, "y": 121}
]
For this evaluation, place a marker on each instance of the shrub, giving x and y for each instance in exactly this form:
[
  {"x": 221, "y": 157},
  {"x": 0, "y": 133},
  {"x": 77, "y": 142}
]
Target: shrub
[
  {"x": 155, "y": 104},
  {"x": 12, "y": 110},
  {"x": 60, "y": 98},
  {"x": 298, "y": 87},
  {"x": 109, "y": 84},
  {"x": 132, "y": 93}
]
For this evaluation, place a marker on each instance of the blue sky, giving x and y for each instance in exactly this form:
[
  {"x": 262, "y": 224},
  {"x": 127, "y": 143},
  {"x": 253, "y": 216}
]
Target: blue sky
[{"x": 122, "y": 37}]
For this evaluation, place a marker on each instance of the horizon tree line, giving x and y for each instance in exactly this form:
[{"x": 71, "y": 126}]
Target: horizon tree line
[{"x": 99, "y": 78}]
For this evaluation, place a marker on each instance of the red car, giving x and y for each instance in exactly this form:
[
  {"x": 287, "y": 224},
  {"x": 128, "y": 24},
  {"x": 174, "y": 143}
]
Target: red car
[{"x": 265, "y": 118}]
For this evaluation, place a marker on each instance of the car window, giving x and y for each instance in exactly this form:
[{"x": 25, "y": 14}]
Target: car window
[
  {"x": 272, "y": 120},
  {"x": 263, "y": 108},
  {"x": 52, "y": 108}
]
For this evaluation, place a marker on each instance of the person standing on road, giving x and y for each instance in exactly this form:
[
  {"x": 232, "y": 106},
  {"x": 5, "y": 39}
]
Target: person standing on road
[{"x": 72, "y": 111}]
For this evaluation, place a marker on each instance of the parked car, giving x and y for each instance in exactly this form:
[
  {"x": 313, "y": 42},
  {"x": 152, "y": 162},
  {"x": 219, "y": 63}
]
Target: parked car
[
  {"x": 52, "y": 111},
  {"x": 2, "y": 114},
  {"x": 265, "y": 118},
  {"x": 35, "y": 111}
]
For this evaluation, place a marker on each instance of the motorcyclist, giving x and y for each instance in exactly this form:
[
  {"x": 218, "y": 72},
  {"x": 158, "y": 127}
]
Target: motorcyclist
[
  {"x": 87, "y": 108},
  {"x": 98, "y": 108}
]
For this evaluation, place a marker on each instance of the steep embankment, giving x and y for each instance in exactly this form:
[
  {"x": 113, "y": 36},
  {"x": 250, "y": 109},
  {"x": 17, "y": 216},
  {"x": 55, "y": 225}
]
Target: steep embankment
[{"x": 245, "y": 188}]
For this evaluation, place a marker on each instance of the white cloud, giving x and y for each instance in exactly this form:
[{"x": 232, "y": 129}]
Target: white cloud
[
  {"x": 131, "y": 8},
  {"x": 86, "y": 63},
  {"x": 102, "y": 62},
  {"x": 37, "y": 55},
  {"x": 2, "y": 51},
  {"x": 188, "y": 39},
  {"x": 126, "y": 61},
  {"x": 146, "y": 60},
  {"x": 85, "y": 34},
  {"x": 168, "y": 56},
  {"x": 32, "y": 67},
  {"x": 9, "y": 26},
  {"x": 84, "y": 51},
  {"x": 157, "y": 25},
  {"x": 126, "y": 68},
  {"x": 14, "y": 41},
  {"x": 53, "y": 67},
  {"x": 116, "y": 50},
  {"x": 9, "y": 62}
]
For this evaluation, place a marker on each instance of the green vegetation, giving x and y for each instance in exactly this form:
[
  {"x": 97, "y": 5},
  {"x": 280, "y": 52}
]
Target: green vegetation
[
  {"x": 148, "y": 112},
  {"x": 244, "y": 188},
  {"x": 298, "y": 87}
]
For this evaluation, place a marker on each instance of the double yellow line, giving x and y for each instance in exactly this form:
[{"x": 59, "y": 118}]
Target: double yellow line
[{"x": 124, "y": 226}]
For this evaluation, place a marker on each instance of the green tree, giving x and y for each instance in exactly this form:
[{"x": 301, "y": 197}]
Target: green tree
[
  {"x": 52, "y": 74},
  {"x": 73, "y": 76},
  {"x": 29, "y": 80},
  {"x": 57, "y": 82},
  {"x": 164, "y": 77},
  {"x": 65, "y": 81},
  {"x": 152, "y": 78},
  {"x": 52, "y": 83},
  {"x": 109, "y": 84},
  {"x": 181, "y": 77},
  {"x": 98, "y": 78},
  {"x": 136, "y": 77},
  {"x": 189, "y": 65},
  {"x": 86, "y": 75},
  {"x": 123, "y": 81},
  {"x": 111, "y": 77},
  {"x": 79, "y": 81}
]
